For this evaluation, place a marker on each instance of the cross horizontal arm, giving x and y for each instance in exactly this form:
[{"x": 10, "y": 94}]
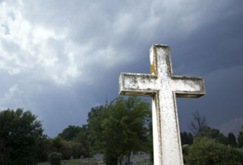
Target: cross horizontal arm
[
  {"x": 185, "y": 86},
  {"x": 137, "y": 84}
]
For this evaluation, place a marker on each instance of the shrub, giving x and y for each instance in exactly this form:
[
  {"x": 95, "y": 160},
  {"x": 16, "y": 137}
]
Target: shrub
[
  {"x": 206, "y": 151},
  {"x": 55, "y": 158}
]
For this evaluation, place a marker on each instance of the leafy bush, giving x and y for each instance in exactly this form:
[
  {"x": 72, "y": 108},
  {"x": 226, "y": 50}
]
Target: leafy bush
[
  {"x": 207, "y": 151},
  {"x": 68, "y": 149},
  {"x": 55, "y": 158}
]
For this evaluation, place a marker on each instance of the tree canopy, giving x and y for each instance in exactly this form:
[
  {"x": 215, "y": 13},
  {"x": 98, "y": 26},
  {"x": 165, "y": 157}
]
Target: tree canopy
[
  {"x": 115, "y": 129},
  {"x": 240, "y": 138},
  {"x": 70, "y": 133},
  {"x": 119, "y": 127},
  {"x": 19, "y": 137}
]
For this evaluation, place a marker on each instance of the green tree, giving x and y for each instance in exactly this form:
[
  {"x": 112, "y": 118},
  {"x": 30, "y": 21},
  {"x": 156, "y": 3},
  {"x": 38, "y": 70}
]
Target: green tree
[
  {"x": 232, "y": 140},
  {"x": 70, "y": 133},
  {"x": 95, "y": 117},
  {"x": 119, "y": 127},
  {"x": 83, "y": 138},
  {"x": 45, "y": 148},
  {"x": 186, "y": 138},
  {"x": 213, "y": 133},
  {"x": 240, "y": 138},
  {"x": 20, "y": 135},
  {"x": 71, "y": 149},
  {"x": 207, "y": 151}
]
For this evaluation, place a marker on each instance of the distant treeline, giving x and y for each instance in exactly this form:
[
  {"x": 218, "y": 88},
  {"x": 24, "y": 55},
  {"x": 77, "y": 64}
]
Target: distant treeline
[{"x": 117, "y": 129}]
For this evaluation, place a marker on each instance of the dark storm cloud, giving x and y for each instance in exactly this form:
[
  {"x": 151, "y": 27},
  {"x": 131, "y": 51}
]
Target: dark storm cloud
[
  {"x": 222, "y": 102},
  {"x": 216, "y": 46},
  {"x": 74, "y": 51},
  {"x": 214, "y": 51}
]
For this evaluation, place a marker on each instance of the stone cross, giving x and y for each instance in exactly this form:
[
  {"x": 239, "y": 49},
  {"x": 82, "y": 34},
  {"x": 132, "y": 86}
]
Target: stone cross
[{"x": 163, "y": 87}]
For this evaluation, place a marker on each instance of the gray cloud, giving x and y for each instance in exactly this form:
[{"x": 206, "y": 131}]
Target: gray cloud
[{"x": 58, "y": 59}]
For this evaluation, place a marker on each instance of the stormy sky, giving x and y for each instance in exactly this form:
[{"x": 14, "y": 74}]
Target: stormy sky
[{"x": 59, "y": 59}]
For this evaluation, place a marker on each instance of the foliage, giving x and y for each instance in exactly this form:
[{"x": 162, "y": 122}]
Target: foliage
[
  {"x": 119, "y": 127},
  {"x": 114, "y": 129},
  {"x": 70, "y": 133},
  {"x": 213, "y": 133},
  {"x": 207, "y": 151},
  {"x": 68, "y": 149},
  {"x": 232, "y": 140},
  {"x": 186, "y": 138},
  {"x": 55, "y": 158},
  {"x": 20, "y": 135},
  {"x": 71, "y": 149},
  {"x": 83, "y": 138},
  {"x": 201, "y": 129},
  {"x": 44, "y": 148},
  {"x": 240, "y": 138}
]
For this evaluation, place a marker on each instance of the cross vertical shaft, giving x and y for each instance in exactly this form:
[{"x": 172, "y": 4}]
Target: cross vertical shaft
[{"x": 163, "y": 87}]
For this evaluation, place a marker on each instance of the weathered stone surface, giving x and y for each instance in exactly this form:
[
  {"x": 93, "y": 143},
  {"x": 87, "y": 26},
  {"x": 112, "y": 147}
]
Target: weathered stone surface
[{"x": 163, "y": 87}]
